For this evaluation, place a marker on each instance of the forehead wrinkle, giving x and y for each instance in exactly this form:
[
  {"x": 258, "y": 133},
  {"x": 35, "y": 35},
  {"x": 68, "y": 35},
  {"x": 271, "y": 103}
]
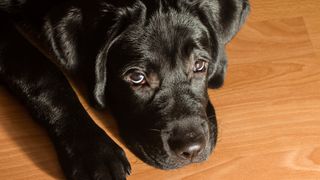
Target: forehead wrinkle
[{"x": 166, "y": 34}]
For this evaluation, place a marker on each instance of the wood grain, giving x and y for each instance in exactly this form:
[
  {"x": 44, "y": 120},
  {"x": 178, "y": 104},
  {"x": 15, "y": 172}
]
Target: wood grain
[{"x": 268, "y": 110}]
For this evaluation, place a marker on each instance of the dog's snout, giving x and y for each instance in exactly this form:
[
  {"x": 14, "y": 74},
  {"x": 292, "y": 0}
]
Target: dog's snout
[{"x": 187, "y": 145}]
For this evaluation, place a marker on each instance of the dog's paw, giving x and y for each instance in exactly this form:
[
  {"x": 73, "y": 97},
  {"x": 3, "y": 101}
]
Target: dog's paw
[{"x": 94, "y": 157}]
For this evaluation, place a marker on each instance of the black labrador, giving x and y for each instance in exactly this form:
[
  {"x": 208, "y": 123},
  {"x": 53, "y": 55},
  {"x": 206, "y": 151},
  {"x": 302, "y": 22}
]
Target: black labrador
[{"x": 149, "y": 61}]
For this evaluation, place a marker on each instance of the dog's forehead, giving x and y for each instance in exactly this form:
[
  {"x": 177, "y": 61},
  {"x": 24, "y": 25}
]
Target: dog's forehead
[
  {"x": 170, "y": 36},
  {"x": 165, "y": 40},
  {"x": 167, "y": 32}
]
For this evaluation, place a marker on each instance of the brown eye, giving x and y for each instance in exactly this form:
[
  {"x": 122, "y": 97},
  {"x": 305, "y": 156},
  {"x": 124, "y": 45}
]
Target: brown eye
[
  {"x": 199, "y": 66},
  {"x": 137, "y": 78}
]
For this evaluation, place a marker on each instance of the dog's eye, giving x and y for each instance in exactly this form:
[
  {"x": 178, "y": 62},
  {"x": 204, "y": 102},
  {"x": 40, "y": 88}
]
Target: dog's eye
[
  {"x": 137, "y": 78},
  {"x": 199, "y": 66}
]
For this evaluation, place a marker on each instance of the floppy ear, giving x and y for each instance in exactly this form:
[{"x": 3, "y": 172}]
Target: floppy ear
[
  {"x": 98, "y": 89},
  {"x": 232, "y": 14},
  {"x": 134, "y": 13},
  {"x": 223, "y": 19},
  {"x": 216, "y": 77},
  {"x": 75, "y": 51},
  {"x": 84, "y": 50}
]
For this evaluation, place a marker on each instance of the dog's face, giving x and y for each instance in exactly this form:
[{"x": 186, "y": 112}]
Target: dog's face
[
  {"x": 160, "y": 58},
  {"x": 158, "y": 75}
]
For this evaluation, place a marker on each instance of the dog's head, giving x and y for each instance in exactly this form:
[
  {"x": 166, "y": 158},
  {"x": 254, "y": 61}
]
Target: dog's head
[{"x": 159, "y": 61}]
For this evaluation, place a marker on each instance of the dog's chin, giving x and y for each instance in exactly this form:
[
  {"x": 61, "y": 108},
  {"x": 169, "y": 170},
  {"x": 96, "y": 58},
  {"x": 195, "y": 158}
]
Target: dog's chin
[{"x": 158, "y": 156}]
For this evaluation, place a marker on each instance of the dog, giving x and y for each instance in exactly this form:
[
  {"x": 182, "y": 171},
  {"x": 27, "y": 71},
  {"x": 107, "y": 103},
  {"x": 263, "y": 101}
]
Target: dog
[{"x": 149, "y": 61}]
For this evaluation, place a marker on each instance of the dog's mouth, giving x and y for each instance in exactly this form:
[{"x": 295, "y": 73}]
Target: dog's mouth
[{"x": 173, "y": 148}]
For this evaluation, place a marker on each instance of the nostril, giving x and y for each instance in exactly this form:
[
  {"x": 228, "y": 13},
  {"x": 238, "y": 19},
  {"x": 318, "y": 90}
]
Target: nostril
[
  {"x": 191, "y": 151},
  {"x": 186, "y": 154}
]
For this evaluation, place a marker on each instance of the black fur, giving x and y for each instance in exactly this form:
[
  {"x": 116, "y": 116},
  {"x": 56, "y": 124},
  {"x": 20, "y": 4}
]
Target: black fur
[{"x": 103, "y": 43}]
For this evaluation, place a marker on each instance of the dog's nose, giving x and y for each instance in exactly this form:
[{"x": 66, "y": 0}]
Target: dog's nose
[
  {"x": 188, "y": 146},
  {"x": 188, "y": 151}
]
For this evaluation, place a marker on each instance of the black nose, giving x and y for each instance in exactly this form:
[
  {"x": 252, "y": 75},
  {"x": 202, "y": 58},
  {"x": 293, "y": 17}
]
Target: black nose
[{"x": 188, "y": 146}]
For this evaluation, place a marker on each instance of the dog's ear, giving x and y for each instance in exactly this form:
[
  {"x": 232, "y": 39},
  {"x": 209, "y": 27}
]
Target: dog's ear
[
  {"x": 69, "y": 40},
  {"x": 224, "y": 16},
  {"x": 81, "y": 39},
  {"x": 125, "y": 18},
  {"x": 232, "y": 19},
  {"x": 218, "y": 69},
  {"x": 100, "y": 68},
  {"x": 223, "y": 19},
  {"x": 228, "y": 16}
]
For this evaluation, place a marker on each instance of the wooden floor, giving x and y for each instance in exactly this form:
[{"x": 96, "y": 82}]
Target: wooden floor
[{"x": 268, "y": 110}]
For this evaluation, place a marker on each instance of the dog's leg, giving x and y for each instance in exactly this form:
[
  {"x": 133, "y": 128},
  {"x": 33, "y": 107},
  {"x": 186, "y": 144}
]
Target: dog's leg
[{"x": 84, "y": 150}]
